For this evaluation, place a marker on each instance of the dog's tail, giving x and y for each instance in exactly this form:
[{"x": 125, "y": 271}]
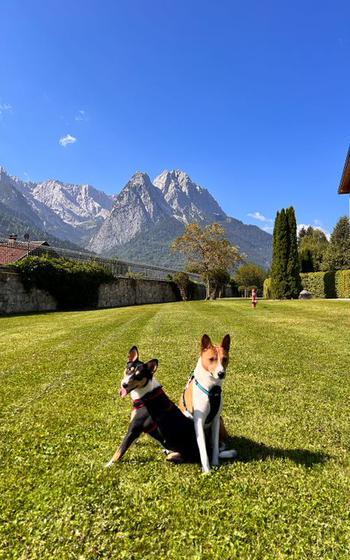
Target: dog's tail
[{"x": 228, "y": 454}]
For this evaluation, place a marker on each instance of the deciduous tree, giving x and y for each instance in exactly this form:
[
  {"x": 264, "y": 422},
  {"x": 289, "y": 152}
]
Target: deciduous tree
[{"x": 208, "y": 251}]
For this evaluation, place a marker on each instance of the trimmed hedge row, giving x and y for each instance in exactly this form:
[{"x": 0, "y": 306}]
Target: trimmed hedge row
[
  {"x": 342, "y": 283},
  {"x": 321, "y": 284},
  {"x": 74, "y": 285},
  {"x": 267, "y": 288}
]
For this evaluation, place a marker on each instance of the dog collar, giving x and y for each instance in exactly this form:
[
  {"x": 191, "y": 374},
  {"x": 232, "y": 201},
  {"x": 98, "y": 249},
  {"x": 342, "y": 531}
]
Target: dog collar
[{"x": 140, "y": 403}]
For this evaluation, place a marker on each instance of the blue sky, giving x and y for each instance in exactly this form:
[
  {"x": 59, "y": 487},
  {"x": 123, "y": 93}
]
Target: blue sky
[{"x": 250, "y": 98}]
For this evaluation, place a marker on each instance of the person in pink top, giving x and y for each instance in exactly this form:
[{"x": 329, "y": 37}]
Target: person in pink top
[{"x": 254, "y": 298}]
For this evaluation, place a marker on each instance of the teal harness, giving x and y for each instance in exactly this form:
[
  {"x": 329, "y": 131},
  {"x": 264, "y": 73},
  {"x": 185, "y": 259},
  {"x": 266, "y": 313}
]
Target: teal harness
[{"x": 214, "y": 396}]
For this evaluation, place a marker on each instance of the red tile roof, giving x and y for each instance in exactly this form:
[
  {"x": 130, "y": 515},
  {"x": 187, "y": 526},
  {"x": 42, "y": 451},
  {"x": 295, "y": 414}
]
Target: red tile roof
[{"x": 11, "y": 252}]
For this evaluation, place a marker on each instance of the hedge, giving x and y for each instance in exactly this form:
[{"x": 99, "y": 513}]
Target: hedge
[
  {"x": 320, "y": 284},
  {"x": 342, "y": 283},
  {"x": 267, "y": 288},
  {"x": 74, "y": 285}
]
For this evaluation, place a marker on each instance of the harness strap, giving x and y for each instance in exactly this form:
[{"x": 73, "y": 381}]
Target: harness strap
[
  {"x": 203, "y": 389},
  {"x": 214, "y": 396}
]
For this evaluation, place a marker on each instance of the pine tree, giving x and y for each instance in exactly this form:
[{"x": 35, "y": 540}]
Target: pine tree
[
  {"x": 338, "y": 253},
  {"x": 293, "y": 264}
]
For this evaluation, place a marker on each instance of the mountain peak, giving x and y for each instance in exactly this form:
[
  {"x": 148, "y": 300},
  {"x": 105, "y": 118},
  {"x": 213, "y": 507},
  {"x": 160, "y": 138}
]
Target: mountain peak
[{"x": 190, "y": 201}]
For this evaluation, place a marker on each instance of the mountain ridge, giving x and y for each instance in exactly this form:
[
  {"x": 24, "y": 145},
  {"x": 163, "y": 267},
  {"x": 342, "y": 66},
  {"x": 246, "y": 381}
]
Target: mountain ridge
[{"x": 139, "y": 222}]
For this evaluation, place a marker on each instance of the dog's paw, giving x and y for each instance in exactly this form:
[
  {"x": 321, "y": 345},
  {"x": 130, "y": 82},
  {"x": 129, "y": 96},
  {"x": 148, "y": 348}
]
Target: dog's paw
[
  {"x": 110, "y": 464},
  {"x": 174, "y": 457}
]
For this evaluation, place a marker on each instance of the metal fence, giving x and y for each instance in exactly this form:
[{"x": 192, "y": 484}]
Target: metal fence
[{"x": 118, "y": 267}]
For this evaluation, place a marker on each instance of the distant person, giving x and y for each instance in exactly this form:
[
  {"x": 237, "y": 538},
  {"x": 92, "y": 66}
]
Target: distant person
[{"x": 254, "y": 298}]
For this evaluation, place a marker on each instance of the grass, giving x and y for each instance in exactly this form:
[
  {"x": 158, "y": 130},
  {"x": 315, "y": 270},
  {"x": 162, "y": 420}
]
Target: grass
[{"x": 286, "y": 406}]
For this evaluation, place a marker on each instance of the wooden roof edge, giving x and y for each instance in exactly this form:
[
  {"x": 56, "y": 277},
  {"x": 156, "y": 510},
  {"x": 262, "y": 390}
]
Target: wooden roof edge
[{"x": 344, "y": 185}]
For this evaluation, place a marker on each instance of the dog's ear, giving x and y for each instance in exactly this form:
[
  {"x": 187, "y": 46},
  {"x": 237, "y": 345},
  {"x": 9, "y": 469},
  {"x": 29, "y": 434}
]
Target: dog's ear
[
  {"x": 205, "y": 342},
  {"x": 152, "y": 366},
  {"x": 133, "y": 354},
  {"x": 226, "y": 341}
]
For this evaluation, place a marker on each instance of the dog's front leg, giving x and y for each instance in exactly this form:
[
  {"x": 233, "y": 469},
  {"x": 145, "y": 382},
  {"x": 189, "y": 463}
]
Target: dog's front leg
[
  {"x": 133, "y": 433},
  {"x": 200, "y": 435},
  {"x": 215, "y": 430}
]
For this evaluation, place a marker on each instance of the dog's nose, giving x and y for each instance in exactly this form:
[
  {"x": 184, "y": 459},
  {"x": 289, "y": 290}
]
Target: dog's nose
[
  {"x": 221, "y": 374},
  {"x": 124, "y": 385}
]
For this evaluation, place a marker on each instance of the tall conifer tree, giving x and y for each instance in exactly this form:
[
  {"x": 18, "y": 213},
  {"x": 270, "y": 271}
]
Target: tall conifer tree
[
  {"x": 293, "y": 264},
  {"x": 285, "y": 279},
  {"x": 280, "y": 256}
]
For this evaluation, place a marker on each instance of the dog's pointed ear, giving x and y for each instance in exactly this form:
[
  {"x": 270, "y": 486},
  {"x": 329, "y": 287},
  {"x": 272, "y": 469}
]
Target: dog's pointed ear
[
  {"x": 226, "y": 341},
  {"x": 205, "y": 342},
  {"x": 152, "y": 366},
  {"x": 133, "y": 354}
]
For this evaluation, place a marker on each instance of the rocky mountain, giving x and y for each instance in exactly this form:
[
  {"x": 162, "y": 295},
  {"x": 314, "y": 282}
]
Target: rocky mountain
[
  {"x": 138, "y": 224},
  {"x": 189, "y": 202},
  {"x": 138, "y": 205},
  {"x": 67, "y": 211},
  {"x": 147, "y": 217}
]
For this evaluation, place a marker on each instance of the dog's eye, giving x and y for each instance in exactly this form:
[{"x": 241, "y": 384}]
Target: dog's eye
[{"x": 212, "y": 359}]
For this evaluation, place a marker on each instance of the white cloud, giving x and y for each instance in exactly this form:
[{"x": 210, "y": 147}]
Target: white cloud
[
  {"x": 81, "y": 115},
  {"x": 4, "y": 107},
  {"x": 260, "y": 217},
  {"x": 68, "y": 139}
]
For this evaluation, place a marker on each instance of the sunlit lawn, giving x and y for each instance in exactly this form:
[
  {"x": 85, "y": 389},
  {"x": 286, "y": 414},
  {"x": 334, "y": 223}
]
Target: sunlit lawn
[{"x": 286, "y": 405}]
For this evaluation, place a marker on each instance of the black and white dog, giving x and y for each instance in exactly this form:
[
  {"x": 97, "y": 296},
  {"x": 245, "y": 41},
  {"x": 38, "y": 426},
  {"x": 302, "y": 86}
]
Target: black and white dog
[{"x": 154, "y": 413}]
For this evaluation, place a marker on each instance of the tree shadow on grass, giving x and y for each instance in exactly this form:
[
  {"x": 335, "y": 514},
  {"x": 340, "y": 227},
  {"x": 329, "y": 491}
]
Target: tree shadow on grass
[{"x": 249, "y": 450}]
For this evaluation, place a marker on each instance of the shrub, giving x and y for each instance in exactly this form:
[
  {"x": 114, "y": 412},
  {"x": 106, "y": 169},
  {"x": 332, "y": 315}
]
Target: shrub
[
  {"x": 342, "y": 283},
  {"x": 74, "y": 285},
  {"x": 267, "y": 288},
  {"x": 320, "y": 284}
]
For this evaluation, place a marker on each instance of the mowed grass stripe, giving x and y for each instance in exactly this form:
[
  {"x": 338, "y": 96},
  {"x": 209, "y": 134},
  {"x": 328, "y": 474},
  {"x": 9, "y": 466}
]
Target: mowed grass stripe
[
  {"x": 56, "y": 345},
  {"x": 287, "y": 496}
]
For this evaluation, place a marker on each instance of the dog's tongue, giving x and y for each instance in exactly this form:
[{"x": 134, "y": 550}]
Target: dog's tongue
[{"x": 123, "y": 392}]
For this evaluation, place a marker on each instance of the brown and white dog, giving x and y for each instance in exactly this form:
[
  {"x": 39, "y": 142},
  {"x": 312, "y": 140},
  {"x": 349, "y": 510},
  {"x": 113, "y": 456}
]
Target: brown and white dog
[{"x": 202, "y": 399}]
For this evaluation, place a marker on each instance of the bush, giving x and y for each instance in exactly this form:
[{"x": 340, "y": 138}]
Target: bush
[
  {"x": 320, "y": 284},
  {"x": 185, "y": 285},
  {"x": 342, "y": 283},
  {"x": 74, "y": 285},
  {"x": 267, "y": 288}
]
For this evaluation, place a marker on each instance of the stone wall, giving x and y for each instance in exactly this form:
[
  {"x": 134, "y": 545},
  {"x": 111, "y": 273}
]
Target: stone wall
[
  {"x": 15, "y": 299},
  {"x": 124, "y": 291},
  {"x": 130, "y": 291}
]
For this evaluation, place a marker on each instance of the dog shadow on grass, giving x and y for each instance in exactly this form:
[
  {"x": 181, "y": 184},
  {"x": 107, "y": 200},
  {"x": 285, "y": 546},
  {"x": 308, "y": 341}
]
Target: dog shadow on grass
[{"x": 249, "y": 450}]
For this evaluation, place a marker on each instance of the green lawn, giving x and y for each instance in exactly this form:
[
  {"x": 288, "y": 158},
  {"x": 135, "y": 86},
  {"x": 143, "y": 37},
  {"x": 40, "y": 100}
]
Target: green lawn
[{"x": 287, "y": 399}]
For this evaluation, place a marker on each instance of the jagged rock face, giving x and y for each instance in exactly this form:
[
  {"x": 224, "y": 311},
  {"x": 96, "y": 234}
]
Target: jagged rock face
[
  {"x": 75, "y": 204},
  {"x": 13, "y": 199},
  {"x": 72, "y": 212},
  {"x": 189, "y": 201},
  {"x": 138, "y": 205}
]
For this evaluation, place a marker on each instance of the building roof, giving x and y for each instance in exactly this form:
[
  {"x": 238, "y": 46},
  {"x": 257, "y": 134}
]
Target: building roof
[
  {"x": 13, "y": 251},
  {"x": 344, "y": 186}
]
